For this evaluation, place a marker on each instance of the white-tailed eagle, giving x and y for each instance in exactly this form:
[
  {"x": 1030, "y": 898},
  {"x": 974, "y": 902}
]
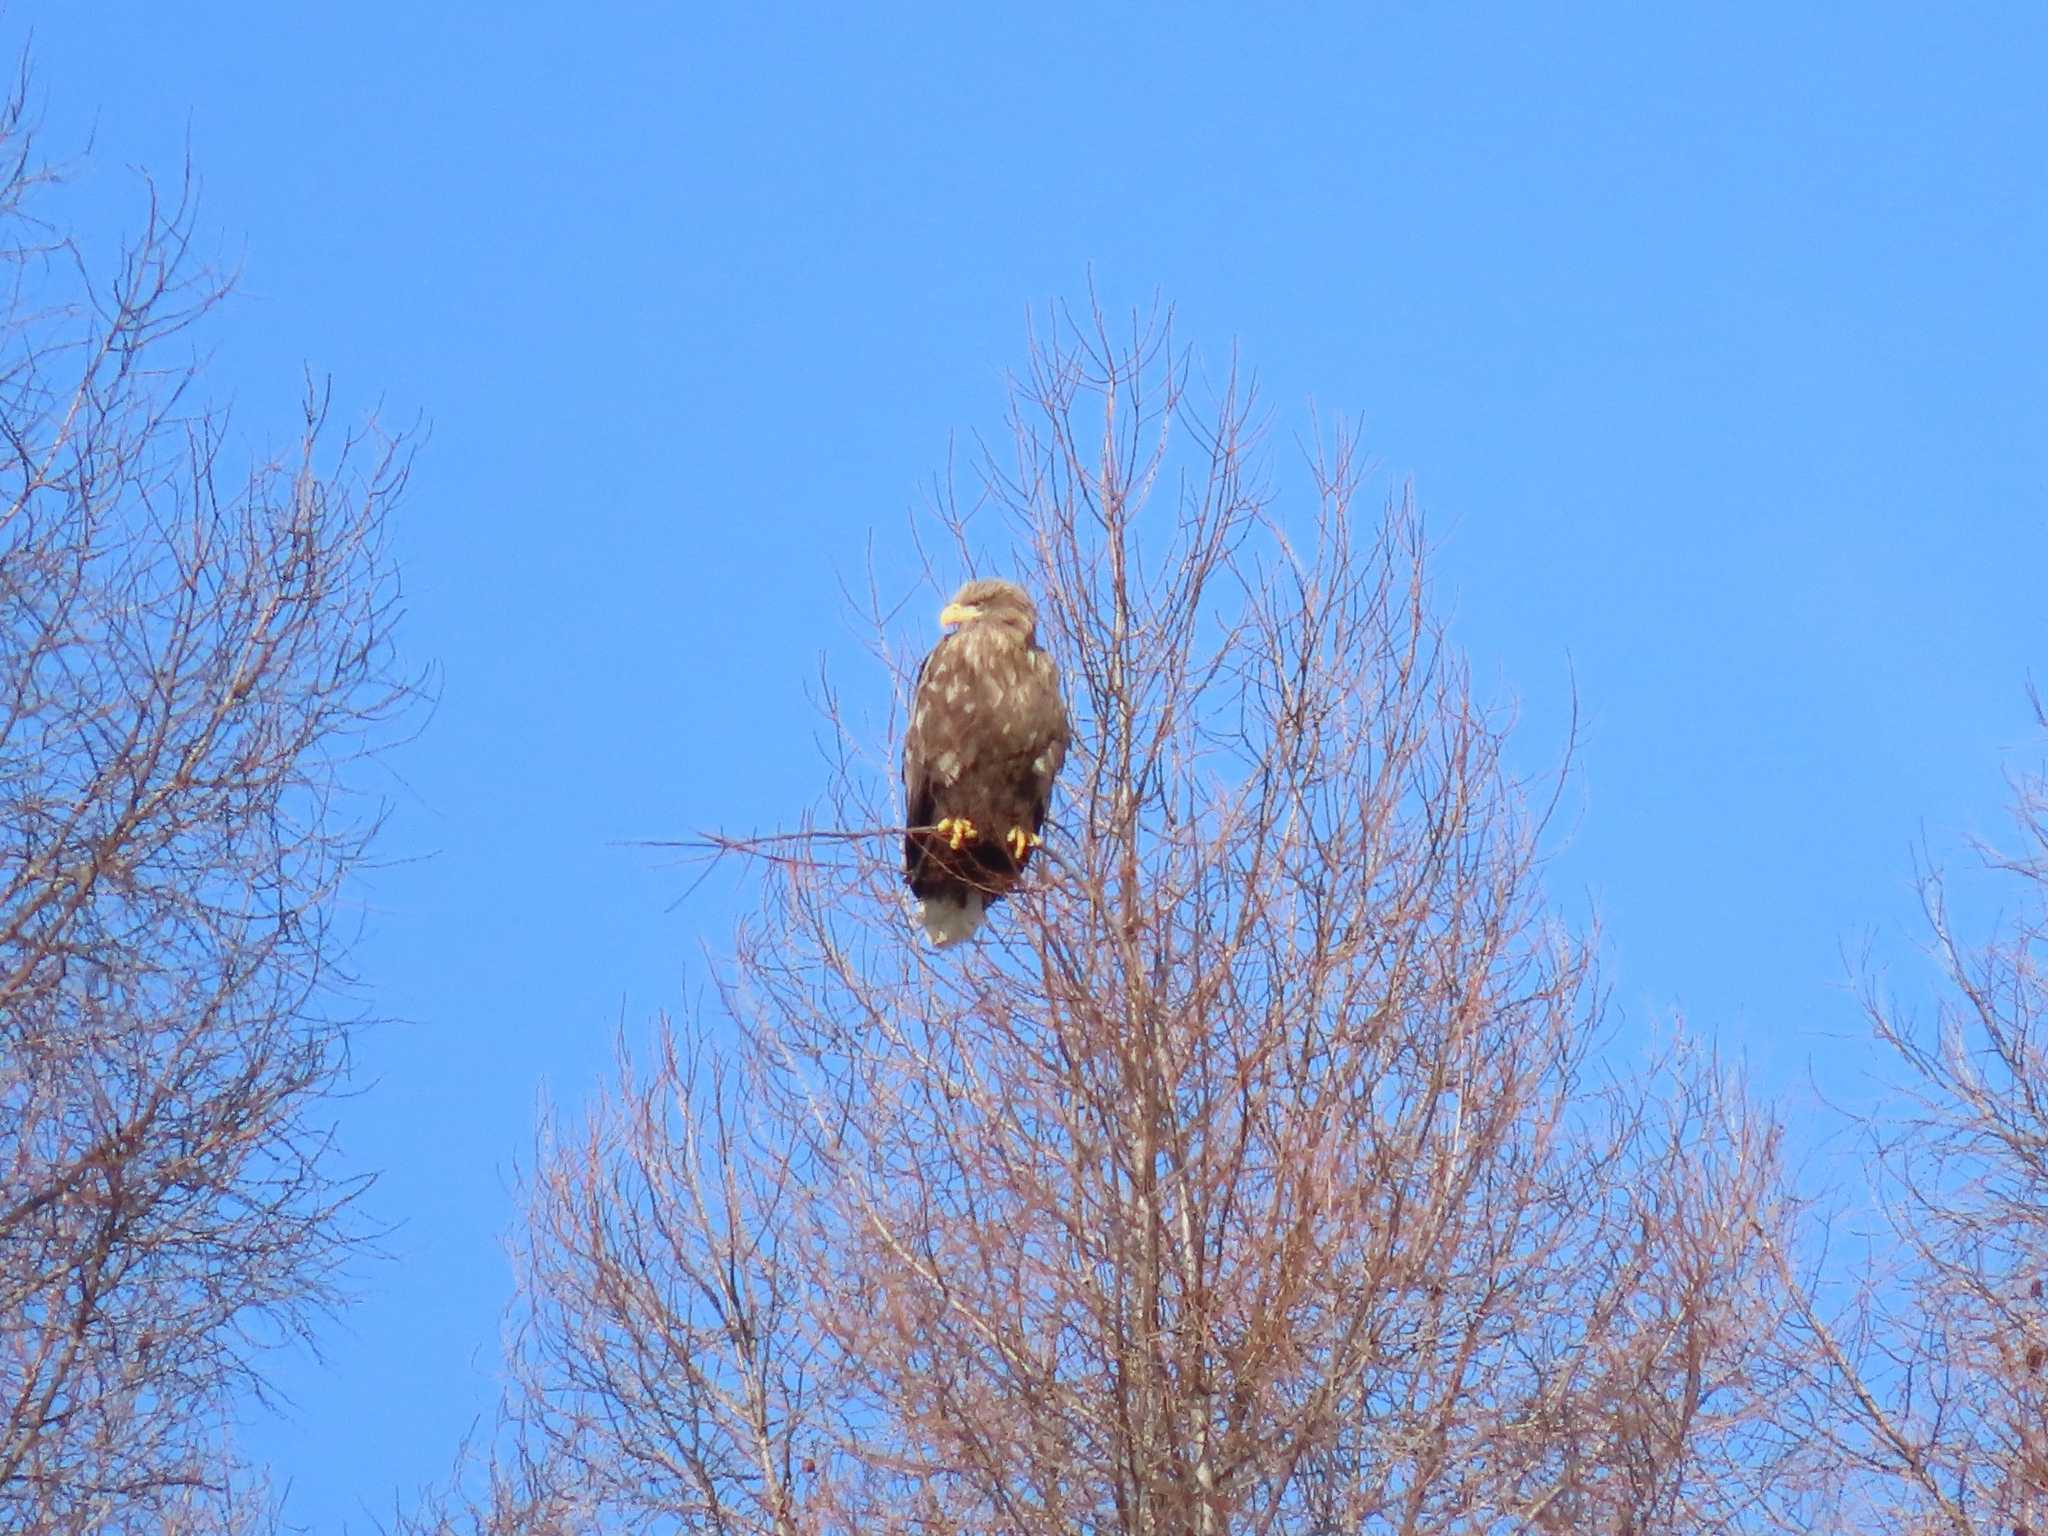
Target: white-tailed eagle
[{"x": 988, "y": 731}]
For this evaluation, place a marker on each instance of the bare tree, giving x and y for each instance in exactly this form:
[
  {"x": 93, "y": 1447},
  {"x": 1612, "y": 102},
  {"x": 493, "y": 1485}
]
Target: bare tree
[
  {"x": 191, "y": 660},
  {"x": 1934, "y": 1384},
  {"x": 1253, "y": 1172}
]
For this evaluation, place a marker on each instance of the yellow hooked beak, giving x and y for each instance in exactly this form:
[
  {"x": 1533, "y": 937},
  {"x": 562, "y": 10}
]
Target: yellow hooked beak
[{"x": 958, "y": 613}]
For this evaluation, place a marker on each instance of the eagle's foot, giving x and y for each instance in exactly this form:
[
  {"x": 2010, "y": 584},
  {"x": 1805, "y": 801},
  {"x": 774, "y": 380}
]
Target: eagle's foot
[
  {"x": 1022, "y": 842},
  {"x": 958, "y": 832}
]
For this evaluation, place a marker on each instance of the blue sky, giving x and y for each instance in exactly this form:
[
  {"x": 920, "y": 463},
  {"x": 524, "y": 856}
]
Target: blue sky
[{"x": 1714, "y": 344}]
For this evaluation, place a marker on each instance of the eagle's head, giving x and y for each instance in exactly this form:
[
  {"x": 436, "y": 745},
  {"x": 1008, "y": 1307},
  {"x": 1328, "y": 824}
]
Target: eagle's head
[{"x": 998, "y": 603}]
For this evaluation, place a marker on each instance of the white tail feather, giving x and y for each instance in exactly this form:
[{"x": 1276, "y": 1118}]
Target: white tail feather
[{"x": 949, "y": 919}]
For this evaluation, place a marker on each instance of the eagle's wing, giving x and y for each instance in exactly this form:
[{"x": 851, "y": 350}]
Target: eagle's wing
[
  {"x": 1051, "y": 731},
  {"x": 919, "y": 800}
]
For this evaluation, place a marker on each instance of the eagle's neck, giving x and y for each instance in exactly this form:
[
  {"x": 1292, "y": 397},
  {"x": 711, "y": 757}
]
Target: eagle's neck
[{"x": 994, "y": 637}]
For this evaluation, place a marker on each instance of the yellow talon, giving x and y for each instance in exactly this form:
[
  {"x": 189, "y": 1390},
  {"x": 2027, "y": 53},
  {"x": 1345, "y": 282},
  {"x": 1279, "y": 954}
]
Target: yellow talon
[
  {"x": 958, "y": 832},
  {"x": 1021, "y": 842}
]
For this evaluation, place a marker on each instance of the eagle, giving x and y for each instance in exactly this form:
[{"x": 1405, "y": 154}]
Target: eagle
[{"x": 988, "y": 731}]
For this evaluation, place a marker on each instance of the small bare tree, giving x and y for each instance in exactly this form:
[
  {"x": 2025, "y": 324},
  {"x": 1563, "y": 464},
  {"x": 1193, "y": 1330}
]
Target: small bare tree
[
  {"x": 1934, "y": 1385},
  {"x": 190, "y": 661},
  {"x": 1253, "y": 1172}
]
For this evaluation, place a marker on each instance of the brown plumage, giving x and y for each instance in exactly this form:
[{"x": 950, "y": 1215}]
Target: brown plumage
[{"x": 988, "y": 731}]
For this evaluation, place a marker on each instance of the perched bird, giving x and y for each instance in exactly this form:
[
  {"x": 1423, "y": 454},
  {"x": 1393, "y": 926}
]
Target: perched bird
[{"x": 988, "y": 731}]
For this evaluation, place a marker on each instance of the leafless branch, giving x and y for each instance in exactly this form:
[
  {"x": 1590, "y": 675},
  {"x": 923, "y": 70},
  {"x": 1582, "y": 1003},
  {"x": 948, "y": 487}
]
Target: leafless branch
[
  {"x": 194, "y": 662},
  {"x": 1934, "y": 1366},
  {"x": 1256, "y": 1171}
]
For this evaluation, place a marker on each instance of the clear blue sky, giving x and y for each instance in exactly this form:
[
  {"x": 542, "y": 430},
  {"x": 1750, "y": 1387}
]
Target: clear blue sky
[{"x": 1716, "y": 347}]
